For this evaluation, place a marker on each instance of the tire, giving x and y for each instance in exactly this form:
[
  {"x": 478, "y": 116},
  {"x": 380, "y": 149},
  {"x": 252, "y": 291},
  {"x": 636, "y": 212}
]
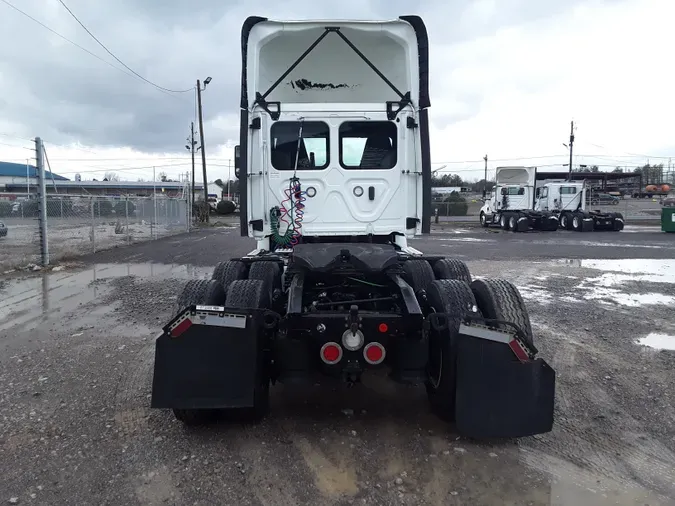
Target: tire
[
  {"x": 214, "y": 295},
  {"x": 456, "y": 299},
  {"x": 247, "y": 294},
  {"x": 227, "y": 272},
  {"x": 499, "y": 299},
  {"x": 618, "y": 222},
  {"x": 418, "y": 273},
  {"x": 451, "y": 268},
  {"x": 254, "y": 294},
  {"x": 268, "y": 272},
  {"x": 483, "y": 220},
  {"x": 513, "y": 223},
  {"x": 210, "y": 293},
  {"x": 577, "y": 225},
  {"x": 565, "y": 221},
  {"x": 193, "y": 293},
  {"x": 504, "y": 221}
]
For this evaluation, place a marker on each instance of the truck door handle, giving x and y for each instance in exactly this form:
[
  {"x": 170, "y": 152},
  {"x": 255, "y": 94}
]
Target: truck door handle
[{"x": 371, "y": 193}]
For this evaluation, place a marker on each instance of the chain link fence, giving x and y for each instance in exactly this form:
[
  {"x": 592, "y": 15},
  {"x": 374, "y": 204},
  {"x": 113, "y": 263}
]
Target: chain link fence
[
  {"x": 19, "y": 236},
  {"x": 78, "y": 225}
]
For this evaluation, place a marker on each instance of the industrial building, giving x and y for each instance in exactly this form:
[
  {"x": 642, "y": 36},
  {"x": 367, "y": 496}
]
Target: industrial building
[{"x": 20, "y": 180}]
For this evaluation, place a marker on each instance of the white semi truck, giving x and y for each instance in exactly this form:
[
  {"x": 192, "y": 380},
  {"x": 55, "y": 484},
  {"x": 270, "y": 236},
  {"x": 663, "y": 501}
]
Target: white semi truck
[
  {"x": 511, "y": 205},
  {"x": 335, "y": 175},
  {"x": 567, "y": 200}
]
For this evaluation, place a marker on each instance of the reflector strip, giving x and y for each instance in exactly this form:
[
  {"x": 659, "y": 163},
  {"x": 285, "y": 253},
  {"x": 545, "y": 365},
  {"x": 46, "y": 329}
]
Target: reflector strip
[
  {"x": 519, "y": 351},
  {"x": 213, "y": 316},
  {"x": 181, "y": 327},
  {"x": 498, "y": 336}
]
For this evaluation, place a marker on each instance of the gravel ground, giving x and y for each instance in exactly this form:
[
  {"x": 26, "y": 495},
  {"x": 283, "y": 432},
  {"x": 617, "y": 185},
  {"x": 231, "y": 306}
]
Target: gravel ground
[{"x": 76, "y": 352}]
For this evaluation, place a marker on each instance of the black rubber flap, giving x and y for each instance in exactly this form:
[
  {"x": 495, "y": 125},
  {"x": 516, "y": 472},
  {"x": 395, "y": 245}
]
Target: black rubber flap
[
  {"x": 208, "y": 366},
  {"x": 498, "y": 396}
]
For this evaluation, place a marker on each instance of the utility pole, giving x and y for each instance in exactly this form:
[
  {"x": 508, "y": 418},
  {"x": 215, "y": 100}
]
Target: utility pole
[
  {"x": 229, "y": 196},
  {"x": 485, "y": 178},
  {"x": 192, "y": 150},
  {"x": 201, "y": 140},
  {"x": 569, "y": 174}
]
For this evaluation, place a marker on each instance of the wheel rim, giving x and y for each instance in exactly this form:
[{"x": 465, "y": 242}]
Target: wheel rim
[
  {"x": 502, "y": 220},
  {"x": 575, "y": 222},
  {"x": 512, "y": 223},
  {"x": 482, "y": 219},
  {"x": 563, "y": 221}
]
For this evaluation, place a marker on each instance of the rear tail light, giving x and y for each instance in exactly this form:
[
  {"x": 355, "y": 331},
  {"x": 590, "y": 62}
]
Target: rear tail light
[
  {"x": 374, "y": 353},
  {"x": 331, "y": 353}
]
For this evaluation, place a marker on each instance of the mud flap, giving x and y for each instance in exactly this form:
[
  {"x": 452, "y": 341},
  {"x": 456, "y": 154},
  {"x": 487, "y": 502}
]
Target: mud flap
[
  {"x": 587, "y": 224},
  {"x": 499, "y": 396},
  {"x": 208, "y": 359}
]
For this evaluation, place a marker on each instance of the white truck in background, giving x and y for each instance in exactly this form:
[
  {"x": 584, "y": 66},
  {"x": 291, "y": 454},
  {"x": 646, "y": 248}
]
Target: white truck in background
[
  {"x": 567, "y": 200},
  {"x": 519, "y": 202},
  {"x": 511, "y": 205}
]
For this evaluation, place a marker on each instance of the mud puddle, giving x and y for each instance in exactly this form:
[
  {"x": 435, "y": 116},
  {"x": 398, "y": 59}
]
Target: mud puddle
[{"x": 35, "y": 300}]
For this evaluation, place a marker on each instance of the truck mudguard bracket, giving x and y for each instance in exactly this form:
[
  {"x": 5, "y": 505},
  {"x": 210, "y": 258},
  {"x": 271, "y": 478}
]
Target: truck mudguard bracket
[
  {"x": 489, "y": 330},
  {"x": 207, "y": 358}
]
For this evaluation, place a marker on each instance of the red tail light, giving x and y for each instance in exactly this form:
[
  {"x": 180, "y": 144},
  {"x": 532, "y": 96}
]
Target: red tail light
[
  {"x": 374, "y": 353},
  {"x": 331, "y": 353}
]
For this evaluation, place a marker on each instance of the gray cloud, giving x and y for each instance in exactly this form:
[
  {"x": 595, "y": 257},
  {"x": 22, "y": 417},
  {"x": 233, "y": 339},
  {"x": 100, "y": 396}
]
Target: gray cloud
[{"x": 66, "y": 95}]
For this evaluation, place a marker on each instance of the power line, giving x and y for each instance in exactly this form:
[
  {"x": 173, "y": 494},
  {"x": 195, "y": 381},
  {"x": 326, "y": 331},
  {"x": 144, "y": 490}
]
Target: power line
[
  {"x": 64, "y": 37},
  {"x": 11, "y": 136},
  {"x": 116, "y": 58},
  {"x": 76, "y": 45},
  {"x": 115, "y": 169},
  {"x": 14, "y": 146}
]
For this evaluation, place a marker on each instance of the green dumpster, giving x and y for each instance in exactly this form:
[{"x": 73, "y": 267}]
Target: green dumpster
[{"x": 668, "y": 219}]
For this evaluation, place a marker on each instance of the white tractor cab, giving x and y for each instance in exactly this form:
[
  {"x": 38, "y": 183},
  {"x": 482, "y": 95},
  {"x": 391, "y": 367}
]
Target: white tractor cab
[
  {"x": 511, "y": 204},
  {"x": 567, "y": 200},
  {"x": 335, "y": 179}
]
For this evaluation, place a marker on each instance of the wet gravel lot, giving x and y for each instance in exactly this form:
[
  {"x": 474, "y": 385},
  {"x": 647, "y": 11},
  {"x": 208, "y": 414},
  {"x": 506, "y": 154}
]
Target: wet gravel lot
[{"x": 76, "y": 351}]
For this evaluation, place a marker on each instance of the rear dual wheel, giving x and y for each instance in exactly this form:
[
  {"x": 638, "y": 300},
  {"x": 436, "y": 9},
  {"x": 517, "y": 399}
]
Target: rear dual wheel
[
  {"x": 241, "y": 294},
  {"x": 495, "y": 299},
  {"x": 420, "y": 274}
]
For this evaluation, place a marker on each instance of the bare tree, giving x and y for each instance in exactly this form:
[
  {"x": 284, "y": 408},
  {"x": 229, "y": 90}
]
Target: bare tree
[{"x": 110, "y": 176}]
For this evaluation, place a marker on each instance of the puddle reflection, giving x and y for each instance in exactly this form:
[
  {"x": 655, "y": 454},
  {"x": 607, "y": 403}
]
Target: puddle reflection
[{"x": 57, "y": 293}]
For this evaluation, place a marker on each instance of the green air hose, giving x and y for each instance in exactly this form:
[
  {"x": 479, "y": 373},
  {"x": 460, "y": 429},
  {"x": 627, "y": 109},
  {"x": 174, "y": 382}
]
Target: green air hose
[{"x": 282, "y": 240}]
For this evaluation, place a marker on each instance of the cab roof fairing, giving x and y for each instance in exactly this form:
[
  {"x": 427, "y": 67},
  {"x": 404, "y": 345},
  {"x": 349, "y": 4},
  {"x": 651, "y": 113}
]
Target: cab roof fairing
[
  {"x": 332, "y": 72},
  {"x": 516, "y": 175}
]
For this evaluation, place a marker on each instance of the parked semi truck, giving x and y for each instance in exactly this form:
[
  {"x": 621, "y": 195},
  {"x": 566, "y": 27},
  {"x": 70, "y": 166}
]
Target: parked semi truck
[
  {"x": 520, "y": 202},
  {"x": 511, "y": 205},
  {"x": 334, "y": 168},
  {"x": 567, "y": 200}
]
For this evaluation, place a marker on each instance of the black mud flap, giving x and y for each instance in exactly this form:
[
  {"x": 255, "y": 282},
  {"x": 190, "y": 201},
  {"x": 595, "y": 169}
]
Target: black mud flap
[
  {"x": 207, "y": 357},
  {"x": 587, "y": 224},
  {"x": 499, "y": 396}
]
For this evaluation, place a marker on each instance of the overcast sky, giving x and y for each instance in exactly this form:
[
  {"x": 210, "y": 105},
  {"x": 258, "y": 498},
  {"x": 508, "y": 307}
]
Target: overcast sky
[{"x": 507, "y": 76}]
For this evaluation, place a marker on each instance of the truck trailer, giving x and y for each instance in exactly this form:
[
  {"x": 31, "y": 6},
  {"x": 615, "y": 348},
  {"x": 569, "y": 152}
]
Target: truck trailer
[
  {"x": 335, "y": 177},
  {"x": 511, "y": 204}
]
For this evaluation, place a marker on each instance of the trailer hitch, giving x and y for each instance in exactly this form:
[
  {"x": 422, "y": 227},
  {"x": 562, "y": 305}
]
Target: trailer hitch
[{"x": 354, "y": 319}]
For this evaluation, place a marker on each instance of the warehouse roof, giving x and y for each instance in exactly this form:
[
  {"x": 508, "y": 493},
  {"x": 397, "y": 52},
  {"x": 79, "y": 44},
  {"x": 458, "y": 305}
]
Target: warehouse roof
[{"x": 8, "y": 169}]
